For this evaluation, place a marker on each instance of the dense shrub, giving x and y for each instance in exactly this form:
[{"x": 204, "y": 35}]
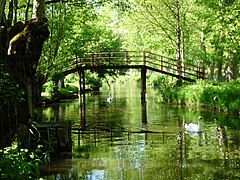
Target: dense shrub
[
  {"x": 68, "y": 92},
  {"x": 93, "y": 82},
  {"x": 16, "y": 163},
  {"x": 219, "y": 95}
]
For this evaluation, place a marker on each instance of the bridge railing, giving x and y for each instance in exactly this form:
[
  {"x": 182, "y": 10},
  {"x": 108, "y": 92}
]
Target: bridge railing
[
  {"x": 111, "y": 58},
  {"x": 153, "y": 61},
  {"x": 172, "y": 66}
]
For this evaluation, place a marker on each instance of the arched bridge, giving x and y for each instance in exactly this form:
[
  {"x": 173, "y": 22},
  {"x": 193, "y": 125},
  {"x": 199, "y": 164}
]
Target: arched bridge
[{"x": 136, "y": 59}]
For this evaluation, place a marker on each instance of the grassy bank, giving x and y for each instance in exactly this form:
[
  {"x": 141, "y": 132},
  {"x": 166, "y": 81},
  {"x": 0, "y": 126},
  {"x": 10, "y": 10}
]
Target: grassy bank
[{"x": 221, "y": 96}]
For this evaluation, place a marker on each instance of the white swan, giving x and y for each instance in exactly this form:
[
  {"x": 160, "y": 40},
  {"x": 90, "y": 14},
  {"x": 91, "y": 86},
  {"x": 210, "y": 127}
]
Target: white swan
[
  {"x": 110, "y": 99},
  {"x": 194, "y": 127}
]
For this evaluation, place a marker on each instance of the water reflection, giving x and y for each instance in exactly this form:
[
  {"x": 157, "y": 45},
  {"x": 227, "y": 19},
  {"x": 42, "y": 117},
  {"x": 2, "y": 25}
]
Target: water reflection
[
  {"x": 144, "y": 113},
  {"x": 196, "y": 134},
  {"x": 130, "y": 140}
]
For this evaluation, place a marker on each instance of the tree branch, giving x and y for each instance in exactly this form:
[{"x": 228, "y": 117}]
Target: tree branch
[
  {"x": 157, "y": 23},
  {"x": 170, "y": 8}
]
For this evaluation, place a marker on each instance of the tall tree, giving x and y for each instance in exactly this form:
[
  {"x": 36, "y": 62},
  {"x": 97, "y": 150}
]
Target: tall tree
[
  {"x": 21, "y": 48},
  {"x": 21, "y": 43},
  {"x": 221, "y": 31},
  {"x": 75, "y": 30},
  {"x": 169, "y": 23}
]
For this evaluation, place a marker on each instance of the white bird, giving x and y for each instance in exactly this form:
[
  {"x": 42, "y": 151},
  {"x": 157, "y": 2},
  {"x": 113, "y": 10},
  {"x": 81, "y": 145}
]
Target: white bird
[
  {"x": 110, "y": 99},
  {"x": 194, "y": 127}
]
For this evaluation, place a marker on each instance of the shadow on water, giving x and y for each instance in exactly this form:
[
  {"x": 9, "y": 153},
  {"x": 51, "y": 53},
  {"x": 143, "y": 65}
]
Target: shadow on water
[{"x": 127, "y": 139}]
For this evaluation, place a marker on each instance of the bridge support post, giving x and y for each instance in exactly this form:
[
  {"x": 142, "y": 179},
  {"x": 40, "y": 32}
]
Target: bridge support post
[
  {"x": 81, "y": 97},
  {"x": 144, "y": 113},
  {"x": 81, "y": 82},
  {"x": 143, "y": 84}
]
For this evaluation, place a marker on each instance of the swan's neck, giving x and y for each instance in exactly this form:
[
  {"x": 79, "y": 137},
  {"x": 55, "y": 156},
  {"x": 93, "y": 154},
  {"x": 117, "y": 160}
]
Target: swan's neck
[{"x": 199, "y": 125}]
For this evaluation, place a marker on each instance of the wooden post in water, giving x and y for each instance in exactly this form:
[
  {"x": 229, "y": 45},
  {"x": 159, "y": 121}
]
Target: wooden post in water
[
  {"x": 143, "y": 84},
  {"x": 83, "y": 114},
  {"x": 82, "y": 97},
  {"x": 81, "y": 82},
  {"x": 79, "y": 85}
]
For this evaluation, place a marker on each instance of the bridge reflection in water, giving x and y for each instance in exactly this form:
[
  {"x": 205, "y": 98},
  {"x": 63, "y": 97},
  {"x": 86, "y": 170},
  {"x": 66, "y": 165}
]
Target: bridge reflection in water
[{"x": 82, "y": 129}]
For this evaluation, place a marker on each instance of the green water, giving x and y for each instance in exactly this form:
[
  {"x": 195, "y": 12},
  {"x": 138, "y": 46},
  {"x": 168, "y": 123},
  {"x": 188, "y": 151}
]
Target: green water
[{"x": 127, "y": 141}]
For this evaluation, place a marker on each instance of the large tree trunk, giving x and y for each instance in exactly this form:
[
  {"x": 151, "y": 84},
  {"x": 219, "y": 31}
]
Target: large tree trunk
[
  {"x": 24, "y": 50},
  {"x": 37, "y": 89},
  {"x": 29, "y": 90}
]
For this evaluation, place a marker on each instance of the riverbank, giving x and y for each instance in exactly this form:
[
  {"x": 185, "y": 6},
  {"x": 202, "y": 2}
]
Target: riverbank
[{"x": 218, "y": 96}]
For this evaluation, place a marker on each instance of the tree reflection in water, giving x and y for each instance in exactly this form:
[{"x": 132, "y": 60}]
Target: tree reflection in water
[{"x": 128, "y": 140}]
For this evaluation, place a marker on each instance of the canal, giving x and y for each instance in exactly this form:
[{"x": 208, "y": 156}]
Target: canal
[{"x": 125, "y": 140}]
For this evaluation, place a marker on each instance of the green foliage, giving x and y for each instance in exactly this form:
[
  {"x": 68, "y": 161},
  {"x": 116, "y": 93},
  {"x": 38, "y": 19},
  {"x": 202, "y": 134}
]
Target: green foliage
[
  {"x": 10, "y": 91},
  {"x": 160, "y": 34},
  {"x": 16, "y": 163},
  {"x": 68, "y": 92},
  {"x": 221, "y": 96},
  {"x": 93, "y": 81},
  {"x": 71, "y": 78},
  {"x": 164, "y": 85},
  {"x": 76, "y": 30},
  {"x": 209, "y": 32},
  {"x": 220, "y": 25},
  {"x": 48, "y": 87},
  {"x": 73, "y": 89}
]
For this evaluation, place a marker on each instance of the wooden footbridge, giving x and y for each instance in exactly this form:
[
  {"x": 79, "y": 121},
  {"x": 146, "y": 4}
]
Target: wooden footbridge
[{"x": 137, "y": 60}]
